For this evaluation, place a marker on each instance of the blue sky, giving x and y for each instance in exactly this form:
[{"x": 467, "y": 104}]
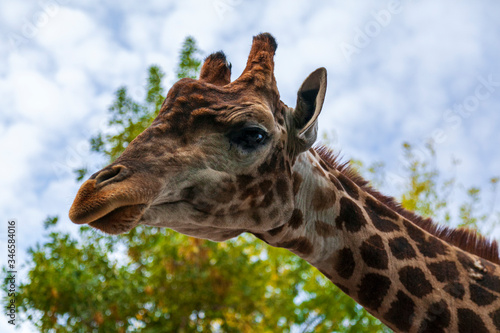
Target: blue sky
[{"x": 397, "y": 71}]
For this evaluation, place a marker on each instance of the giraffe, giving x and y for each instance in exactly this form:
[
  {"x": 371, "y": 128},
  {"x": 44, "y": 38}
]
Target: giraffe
[{"x": 225, "y": 157}]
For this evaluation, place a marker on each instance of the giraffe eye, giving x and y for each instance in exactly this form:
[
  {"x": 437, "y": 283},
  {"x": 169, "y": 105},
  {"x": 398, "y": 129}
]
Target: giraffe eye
[{"x": 248, "y": 138}]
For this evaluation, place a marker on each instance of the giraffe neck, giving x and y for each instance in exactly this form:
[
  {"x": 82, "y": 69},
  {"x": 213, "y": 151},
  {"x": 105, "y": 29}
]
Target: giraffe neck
[{"x": 406, "y": 277}]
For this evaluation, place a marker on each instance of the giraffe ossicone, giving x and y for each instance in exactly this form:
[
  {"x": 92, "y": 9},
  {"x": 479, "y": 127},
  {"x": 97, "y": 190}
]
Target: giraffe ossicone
[{"x": 225, "y": 157}]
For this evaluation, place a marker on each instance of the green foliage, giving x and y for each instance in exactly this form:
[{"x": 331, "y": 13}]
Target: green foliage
[
  {"x": 50, "y": 221},
  {"x": 189, "y": 64},
  {"x": 67, "y": 285},
  {"x": 128, "y": 118},
  {"x": 160, "y": 281},
  {"x": 428, "y": 193},
  {"x": 424, "y": 194},
  {"x": 80, "y": 173}
]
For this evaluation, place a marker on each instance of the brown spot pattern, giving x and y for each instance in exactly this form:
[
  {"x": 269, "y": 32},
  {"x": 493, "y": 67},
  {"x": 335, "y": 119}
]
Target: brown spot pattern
[
  {"x": 382, "y": 224},
  {"x": 296, "y": 219},
  {"x": 256, "y": 218},
  {"x": 444, "y": 271},
  {"x": 414, "y": 232},
  {"x": 401, "y": 248},
  {"x": 455, "y": 289},
  {"x": 380, "y": 209},
  {"x": 344, "y": 263},
  {"x": 491, "y": 282},
  {"x": 282, "y": 189},
  {"x": 437, "y": 318},
  {"x": 225, "y": 194},
  {"x": 277, "y": 230},
  {"x": 469, "y": 321},
  {"x": 270, "y": 165},
  {"x": 349, "y": 186},
  {"x": 465, "y": 260},
  {"x": 373, "y": 253},
  {"x": 350, "y": 216},
  {"x": 264, "y": 186},
  {"x": 301, "y": 245},
  {"x": 328, "y": 276},
  {"x": 243, "y": 181},
  {"x": 414, "y": 281},
  {"x": 401, "y": 312},
  {"x": 249, "y": 192},
  {"x": 480, "y": 296},
  {"x": 495, "y": 315},
  {"x": 336, "y": 182},
  {"x": 344, "y": 289},
  {"x": 323, "y": 198},
  {"x": 260, "y": 236},
  {"x": 373, "y": 289},
  {"x": 268, "y": 199},
  {"x": 432, "y": 247},
  {"x": 325, "y": 229}
]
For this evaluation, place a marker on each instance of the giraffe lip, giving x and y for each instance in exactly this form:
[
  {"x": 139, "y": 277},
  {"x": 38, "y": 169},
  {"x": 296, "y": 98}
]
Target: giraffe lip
[
  {"x": 100, "y": 212},
  {"x": 120, "y": 220},
  {"x": 92, "y": 204}
]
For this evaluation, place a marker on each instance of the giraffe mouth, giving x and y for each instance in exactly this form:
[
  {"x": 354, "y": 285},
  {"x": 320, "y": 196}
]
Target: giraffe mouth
[
  {"x": 112, "y": 221},
  {"x": 120, "y": 220},
  {"x": 123, "y": 219},
  {"x": 114, "y": 208},
  {"x": 117, "y": 208}
]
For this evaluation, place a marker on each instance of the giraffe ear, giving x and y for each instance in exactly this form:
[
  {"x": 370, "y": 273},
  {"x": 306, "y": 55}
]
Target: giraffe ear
[{"x": 310, "y": 99}]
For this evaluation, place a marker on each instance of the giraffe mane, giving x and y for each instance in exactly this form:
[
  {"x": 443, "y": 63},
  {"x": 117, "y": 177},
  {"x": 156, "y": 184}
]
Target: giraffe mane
[{"x": 464, "y": 238}]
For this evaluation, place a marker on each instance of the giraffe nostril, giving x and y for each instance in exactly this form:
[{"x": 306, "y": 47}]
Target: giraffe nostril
[{"x": 115, "y": 173}]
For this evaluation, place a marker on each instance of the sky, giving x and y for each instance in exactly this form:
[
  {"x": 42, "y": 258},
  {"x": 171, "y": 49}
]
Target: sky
[{"x": 398, "y": 71}]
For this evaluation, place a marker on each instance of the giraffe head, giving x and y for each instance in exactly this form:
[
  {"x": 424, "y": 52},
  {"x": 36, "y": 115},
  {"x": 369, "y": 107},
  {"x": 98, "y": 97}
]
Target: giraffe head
[{"x": 216, "y": 161}]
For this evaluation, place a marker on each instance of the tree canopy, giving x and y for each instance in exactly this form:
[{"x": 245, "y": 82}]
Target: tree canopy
[{"x": 157, "y": 280}]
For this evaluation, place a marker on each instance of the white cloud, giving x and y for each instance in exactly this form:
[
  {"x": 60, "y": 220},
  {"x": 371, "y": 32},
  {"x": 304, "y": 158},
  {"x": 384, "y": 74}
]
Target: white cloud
[
  {"x": 19, "y": 142},
  {"x": 67, "y": 28},
  {"x": 37, "y": 97}
]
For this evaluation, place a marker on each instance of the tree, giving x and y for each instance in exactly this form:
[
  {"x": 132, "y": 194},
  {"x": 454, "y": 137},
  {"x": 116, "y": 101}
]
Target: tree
[{"x": 156, "y": 280}]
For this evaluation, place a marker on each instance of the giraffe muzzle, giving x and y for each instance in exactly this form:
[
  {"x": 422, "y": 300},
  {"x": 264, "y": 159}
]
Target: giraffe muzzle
[{"x": 113, "y": 200}]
